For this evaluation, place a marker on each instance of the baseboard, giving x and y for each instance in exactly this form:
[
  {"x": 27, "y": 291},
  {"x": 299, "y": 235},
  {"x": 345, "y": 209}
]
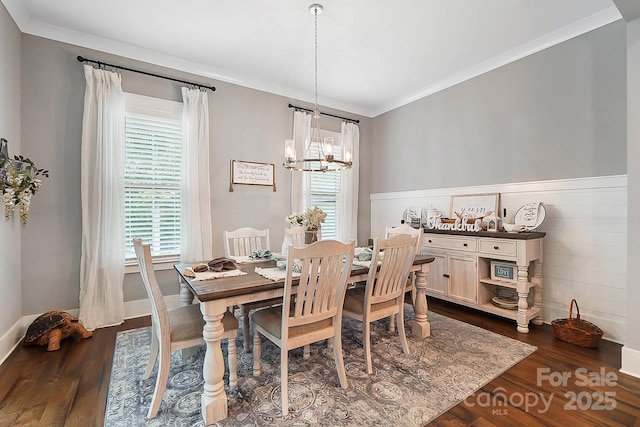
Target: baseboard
[
  {"x": 630, "y": 361},
  {"x": 10, "y": 340}
]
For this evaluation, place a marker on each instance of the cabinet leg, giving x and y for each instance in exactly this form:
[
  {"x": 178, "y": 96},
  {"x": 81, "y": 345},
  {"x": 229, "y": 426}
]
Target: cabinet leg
[
  {"x": 523, "y": 303},
  {"x": 537, "y": 291}
]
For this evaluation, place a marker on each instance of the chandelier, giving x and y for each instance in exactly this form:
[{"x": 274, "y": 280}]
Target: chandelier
[{"x": 318, "y": 153}]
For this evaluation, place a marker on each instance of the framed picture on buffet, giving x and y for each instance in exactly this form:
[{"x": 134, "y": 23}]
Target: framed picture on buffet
[{"x": 474, "y": 205}]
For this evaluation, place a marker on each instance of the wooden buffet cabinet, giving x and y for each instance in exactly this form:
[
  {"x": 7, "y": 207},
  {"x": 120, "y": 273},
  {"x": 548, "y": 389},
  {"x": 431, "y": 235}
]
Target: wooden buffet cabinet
[{"x": 461, "y": 271}]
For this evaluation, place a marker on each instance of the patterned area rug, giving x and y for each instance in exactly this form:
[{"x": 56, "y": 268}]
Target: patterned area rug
[{"x": 404, "y": 390}]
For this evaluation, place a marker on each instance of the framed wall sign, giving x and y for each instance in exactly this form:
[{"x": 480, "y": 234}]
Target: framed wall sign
[
  {"x": 474, "y": 205},
  {"x": 252, "y": 173}
]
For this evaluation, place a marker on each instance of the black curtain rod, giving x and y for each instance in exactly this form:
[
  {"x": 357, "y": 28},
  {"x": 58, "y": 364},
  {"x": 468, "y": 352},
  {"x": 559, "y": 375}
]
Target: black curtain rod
[
  {"x": 93, "y": 61},
  {"x": 325, "y": 114}
]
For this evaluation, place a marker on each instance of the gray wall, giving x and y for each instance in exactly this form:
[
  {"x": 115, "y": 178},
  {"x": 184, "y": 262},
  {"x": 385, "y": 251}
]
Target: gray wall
[
  {"x": 559, "y": 113},
  {"x": 53, "y": 95},
  {"x": 10, "y": 274}
]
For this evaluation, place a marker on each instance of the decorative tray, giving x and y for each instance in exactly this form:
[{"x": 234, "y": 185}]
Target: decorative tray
[{"x": 508, "y": 303}]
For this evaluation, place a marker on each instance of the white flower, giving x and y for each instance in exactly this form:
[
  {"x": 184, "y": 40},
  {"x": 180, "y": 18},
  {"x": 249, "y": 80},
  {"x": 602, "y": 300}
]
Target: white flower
[
  {"x": 311, "y": 219},
  {"x": 19, "y": 186}
]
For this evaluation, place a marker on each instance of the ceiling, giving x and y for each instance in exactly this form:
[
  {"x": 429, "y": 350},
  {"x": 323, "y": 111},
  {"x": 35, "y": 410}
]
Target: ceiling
[{"x": 373, "y": 55}]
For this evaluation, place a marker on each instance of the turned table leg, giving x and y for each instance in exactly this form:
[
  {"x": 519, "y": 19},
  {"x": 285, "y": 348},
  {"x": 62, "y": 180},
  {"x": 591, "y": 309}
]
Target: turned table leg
[
  {"x": 214, "y": 398},
  {"x": 420, "y": 327},
  {"x": 186, "y": 298}
]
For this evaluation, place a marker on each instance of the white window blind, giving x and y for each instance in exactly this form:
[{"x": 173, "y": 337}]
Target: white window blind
[
  {"x": 152, "y": 175},
  {"x": 325, "y": 188}
]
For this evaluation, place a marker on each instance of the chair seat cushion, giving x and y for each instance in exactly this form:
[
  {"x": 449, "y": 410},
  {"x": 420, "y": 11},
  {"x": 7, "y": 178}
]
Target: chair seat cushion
[
  {"x": 354, "y": 302},
  {"x": 270, "y": 319},
  {"x": 187, "y": 322}
]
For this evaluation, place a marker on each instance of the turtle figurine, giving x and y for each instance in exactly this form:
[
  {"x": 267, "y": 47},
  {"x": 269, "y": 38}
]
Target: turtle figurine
[{"x": 52, "y": 327}]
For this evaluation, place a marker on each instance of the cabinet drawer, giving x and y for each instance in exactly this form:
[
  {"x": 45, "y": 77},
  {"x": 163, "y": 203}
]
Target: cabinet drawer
[
  {"x": 499, "y": 247},
  {"x": 467, "y": 244}
]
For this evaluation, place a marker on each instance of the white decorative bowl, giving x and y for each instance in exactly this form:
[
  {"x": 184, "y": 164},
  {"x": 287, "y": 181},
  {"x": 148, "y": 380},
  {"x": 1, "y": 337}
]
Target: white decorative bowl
[{"x": 512, "y": 228}]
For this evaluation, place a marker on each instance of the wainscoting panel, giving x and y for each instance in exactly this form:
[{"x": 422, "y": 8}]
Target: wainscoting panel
[{"x": 585, "y": 250}]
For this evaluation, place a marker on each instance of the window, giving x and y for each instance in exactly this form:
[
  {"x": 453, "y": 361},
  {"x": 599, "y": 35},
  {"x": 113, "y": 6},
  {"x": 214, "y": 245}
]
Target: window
[
  {"x": 153, "y": 152},
  {"x": 325, "y": 189}
]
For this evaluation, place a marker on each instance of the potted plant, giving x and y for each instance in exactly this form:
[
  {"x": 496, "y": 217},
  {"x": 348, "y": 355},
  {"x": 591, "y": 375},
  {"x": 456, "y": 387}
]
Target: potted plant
[
  {"x": 310, "y": 221},
  {"x": 19, "y": 181}
]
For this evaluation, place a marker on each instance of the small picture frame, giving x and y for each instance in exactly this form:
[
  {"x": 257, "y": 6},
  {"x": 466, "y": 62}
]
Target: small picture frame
[
  {"x": 414, "y": 216},
  {"x": 492, "y": 224},
  {"x": 507, "y": 271}
]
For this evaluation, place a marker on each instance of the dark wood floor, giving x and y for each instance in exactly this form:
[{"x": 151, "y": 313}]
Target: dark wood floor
[{"x": 69, "y": 387}]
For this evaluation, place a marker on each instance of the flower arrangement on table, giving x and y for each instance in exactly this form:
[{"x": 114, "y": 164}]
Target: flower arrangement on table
[
  {"x": 310, "y": 220},
  {"x": 19, "y": 182}
]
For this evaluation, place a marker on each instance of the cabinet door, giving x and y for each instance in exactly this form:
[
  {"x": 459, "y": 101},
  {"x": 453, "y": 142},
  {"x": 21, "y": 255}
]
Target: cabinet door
[
  {"x": 463, "y": 280},
  {"x": 437, "y": 280}
]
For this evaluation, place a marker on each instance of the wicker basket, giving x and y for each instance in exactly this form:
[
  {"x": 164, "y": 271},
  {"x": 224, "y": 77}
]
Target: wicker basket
[{"x": 577, "y": 331}]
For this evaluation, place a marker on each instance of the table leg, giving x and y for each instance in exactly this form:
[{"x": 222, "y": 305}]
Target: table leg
[
  {"x": 420, "y": 327},
  {"x": 214, "y": 398},
  {"x": 186, "y": 298}
]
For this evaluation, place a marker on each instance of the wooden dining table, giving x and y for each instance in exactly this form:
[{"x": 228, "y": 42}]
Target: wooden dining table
[{"x": 217, "y": 295}]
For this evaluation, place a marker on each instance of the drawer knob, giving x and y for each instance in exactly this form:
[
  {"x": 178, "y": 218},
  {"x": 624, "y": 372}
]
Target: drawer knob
[
  {"x": 445, "y": 275},
  {"x": 496, "y": 247},
  {"x": 465, "y": 245},
  {"x": 429, "y": 240}
]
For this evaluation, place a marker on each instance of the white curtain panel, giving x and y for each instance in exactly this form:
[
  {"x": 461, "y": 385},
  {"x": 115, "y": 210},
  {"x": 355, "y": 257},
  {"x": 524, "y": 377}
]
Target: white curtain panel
[
  {"x": 348, "y": 206},
  {"x": 300, "y": 197},
  {"x": 196, "y": 228},
  {"x": 102, "y": 194}
]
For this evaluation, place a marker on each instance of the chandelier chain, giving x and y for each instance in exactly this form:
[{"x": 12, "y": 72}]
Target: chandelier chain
[{"x": 315, "y": 14}]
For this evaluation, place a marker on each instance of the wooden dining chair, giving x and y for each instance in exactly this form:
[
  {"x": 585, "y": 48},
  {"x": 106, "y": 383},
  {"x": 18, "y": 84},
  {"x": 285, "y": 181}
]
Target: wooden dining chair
[
  {"x": 405, "y": 229},
  {"x": 383, "y": 295},
  {"x": 296, "y": 235},
  {"x": 314, "y": 309},
  {"x": 243, "y": 242},
  {"x": 176, "y": 329}
]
